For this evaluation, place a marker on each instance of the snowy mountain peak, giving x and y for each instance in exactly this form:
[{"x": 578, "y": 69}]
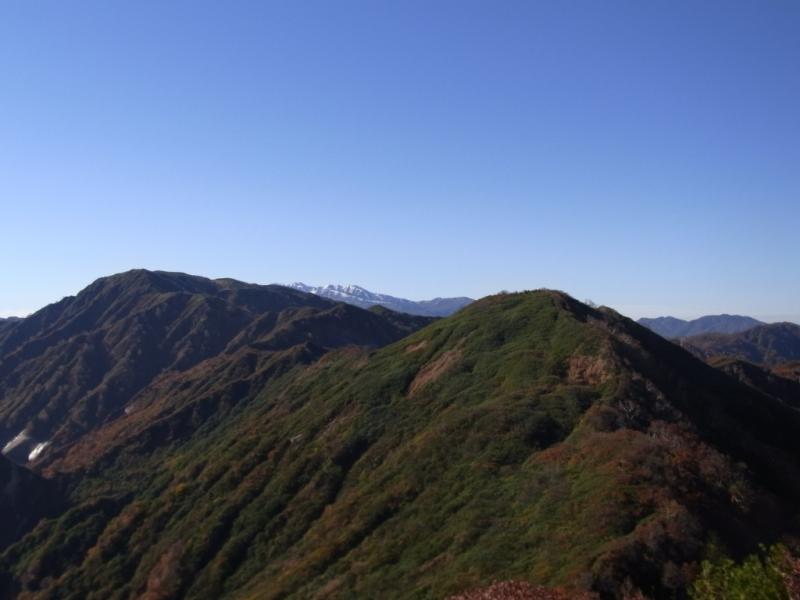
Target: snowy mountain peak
[{"x": 359, "y": 296}]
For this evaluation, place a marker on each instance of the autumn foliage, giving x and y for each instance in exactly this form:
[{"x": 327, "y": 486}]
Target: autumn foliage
[{"x": 521, "y": 590}]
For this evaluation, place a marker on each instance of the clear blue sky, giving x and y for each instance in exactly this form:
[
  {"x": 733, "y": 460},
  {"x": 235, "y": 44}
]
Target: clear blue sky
[{"x": 645, "y": 155}]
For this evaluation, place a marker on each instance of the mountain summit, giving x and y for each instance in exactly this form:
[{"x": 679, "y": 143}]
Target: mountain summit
[
  {"x": 93, "y": 358},
  {"x": 358, "y": 296}
]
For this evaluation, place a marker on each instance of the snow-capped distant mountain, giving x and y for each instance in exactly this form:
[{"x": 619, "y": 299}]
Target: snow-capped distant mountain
[{"x": 354, "y": 294}]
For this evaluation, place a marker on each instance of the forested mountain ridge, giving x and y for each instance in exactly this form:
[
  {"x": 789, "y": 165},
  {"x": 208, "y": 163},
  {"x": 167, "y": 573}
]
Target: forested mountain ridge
[
  {"x": 528, "y": 437},
  {"x": 85, "y": 360},
  {"x": 770, "y": 344}
]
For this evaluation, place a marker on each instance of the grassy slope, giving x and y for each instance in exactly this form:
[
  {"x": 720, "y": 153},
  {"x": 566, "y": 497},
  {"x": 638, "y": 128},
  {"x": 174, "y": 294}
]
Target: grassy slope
[{"x": 523, "y": 438}]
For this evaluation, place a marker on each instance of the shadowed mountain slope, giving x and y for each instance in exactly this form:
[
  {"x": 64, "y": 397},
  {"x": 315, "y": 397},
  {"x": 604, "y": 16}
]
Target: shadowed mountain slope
[
  {"x": 7, "y": 322},
  {"x": 670, "y": 327},
  {"x": 781, "y": 385},
  {"x": 529, "y": 437},
  {"x": 789, "y": 370},
  {"x": 767, "y": 344},
  {"x": 25, "y": 498},
  {"x": 81, "y": 362}
]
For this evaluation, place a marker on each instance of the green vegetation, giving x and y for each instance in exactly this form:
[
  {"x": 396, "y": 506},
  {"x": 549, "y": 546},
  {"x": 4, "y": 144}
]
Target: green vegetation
[
  {"x": 527, "y": 438},
  {"x": 768, "y": 575}
]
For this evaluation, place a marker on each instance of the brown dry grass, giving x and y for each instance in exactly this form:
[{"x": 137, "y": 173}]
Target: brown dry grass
[
  {"x": 432, "y": 370},
  {"x": 163, "y": 578},
  {"x": 416, "y": 347},
  {"x": 520, "y": 590},
  {"x": 588, "y": 370}
]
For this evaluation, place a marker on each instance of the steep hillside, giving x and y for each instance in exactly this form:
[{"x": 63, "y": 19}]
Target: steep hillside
[
  {"x": 358, "y": 296},
  {"x": 670, "y": 327},
  {"x": 776, "y": 383},
  {"x": 767, "y": 344},
  {"x": 527, "y": 438},
  {"x": 7, "y": 323},
  {"x": 789, "y": 370},
  {"x": 85, "y": 361},
  {"x": 25, "y": 498}
]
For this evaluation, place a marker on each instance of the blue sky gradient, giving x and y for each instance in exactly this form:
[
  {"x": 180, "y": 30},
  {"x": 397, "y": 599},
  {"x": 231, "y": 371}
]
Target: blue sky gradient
[{"x": 645, "y": 155}]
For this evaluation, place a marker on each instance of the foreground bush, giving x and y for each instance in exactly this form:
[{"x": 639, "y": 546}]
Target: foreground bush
[{"x": 772, "y": 574}]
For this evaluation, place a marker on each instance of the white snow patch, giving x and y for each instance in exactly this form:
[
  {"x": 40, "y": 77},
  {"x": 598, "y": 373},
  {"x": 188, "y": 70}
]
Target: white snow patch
[
  {"x": 37, "y": 450},
  {"x": 345, "y": 292},
  {"x": 20, "y": 438}
]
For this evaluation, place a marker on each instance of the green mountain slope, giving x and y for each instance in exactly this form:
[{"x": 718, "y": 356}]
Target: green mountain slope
[{"x": 528, "y": 437}]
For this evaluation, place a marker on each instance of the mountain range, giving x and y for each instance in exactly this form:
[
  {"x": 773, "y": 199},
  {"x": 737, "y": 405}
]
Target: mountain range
[
  {"x": 670, "y": 327},
  {"x": 731, "y": 340},
  {"x": 358, "y": 296},
  {"x": 772, "y": 344},
  {"x": 206, "y": 438},
  {"x": 88, "y": 359}
]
